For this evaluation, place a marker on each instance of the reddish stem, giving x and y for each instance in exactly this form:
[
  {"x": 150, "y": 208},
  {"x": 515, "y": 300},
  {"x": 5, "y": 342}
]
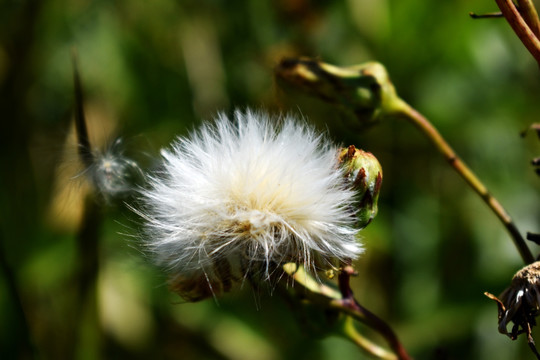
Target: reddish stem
[
  {"x": 520, "y": 27},
  {"x": 349, "y": 302}
]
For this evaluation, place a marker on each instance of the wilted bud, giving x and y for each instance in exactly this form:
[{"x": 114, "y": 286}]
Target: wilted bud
[
  {"x": 364, "y": 173},
  {"x": 363, "y": 92},
  {"x": 520, "y": 303}
]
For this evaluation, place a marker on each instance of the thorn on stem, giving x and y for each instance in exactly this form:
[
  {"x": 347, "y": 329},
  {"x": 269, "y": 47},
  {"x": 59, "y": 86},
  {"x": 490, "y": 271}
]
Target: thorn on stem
[
  {"x": 486, "y": 16},
  {"x": 533, "y": 237},
  {"x": 535, "y": 127}
]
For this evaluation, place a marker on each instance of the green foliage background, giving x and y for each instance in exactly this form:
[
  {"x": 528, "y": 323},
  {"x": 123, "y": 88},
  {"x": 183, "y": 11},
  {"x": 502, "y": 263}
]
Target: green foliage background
[{"x": 155, "y": 69}]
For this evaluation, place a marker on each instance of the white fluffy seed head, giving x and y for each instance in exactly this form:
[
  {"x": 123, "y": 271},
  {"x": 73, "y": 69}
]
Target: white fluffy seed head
[{"x": 247, "y": 195}]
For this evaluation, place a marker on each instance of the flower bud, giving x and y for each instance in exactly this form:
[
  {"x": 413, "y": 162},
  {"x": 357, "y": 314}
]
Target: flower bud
[
  {"x": 364, "y": 174},
  {"x": 363, "y": 93}
]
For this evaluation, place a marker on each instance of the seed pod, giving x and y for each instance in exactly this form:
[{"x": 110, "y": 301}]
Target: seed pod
[
  {"x": 363, "y": 93},
  {"x": 364, "y": 174}
]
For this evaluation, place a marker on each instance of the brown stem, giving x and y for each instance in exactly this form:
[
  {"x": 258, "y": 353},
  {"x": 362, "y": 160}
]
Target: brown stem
[
  {"x": 409, "y": 113},
  {"x": 520, "y": 27},
  {"x": 349, "y": 304},
  {"x": 528, "y": 11}
]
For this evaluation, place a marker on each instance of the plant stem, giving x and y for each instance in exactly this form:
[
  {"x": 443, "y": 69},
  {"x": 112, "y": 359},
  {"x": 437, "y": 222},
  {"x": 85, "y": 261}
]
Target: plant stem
[
  {"x": 88, "y": 235},
  {"x": 519, "y": 25},
  {"x": 23, "y": 336},
  {"x": 350, "y": 332},
  {"x": 343, "y": 301},
  {"x": 402, "y": 109},
  {"x": 85, "y": 303},
  {"x": 530, "y": 15},
  {"x": 350, "y": 306}
]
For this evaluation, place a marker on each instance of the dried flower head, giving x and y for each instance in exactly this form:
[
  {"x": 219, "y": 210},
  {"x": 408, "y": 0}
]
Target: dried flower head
[
  {"x": 520, "y": 303},
  {"x": 245, "y": 196}
]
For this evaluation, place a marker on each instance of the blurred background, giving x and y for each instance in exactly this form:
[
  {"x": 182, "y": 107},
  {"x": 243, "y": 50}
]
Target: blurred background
[{"x": 74, "y": 283}]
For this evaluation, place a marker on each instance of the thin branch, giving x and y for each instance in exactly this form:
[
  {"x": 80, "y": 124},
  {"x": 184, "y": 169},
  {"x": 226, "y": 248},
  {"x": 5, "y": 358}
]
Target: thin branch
[
  {"x": 520, "y": 27},
  {"x": 486, "y": 16},
  {"x": 423, "y": 124},
  {"x": 530, "y": 15}
]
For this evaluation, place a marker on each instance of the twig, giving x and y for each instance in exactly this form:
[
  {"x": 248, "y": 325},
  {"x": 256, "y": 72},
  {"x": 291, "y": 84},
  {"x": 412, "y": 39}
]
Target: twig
[
  {"x": 486, "y": 16},
  {"x": 528, "y": 11},
  {"x": 519, "y": 25},
  {"x": 534, "y": 238}
]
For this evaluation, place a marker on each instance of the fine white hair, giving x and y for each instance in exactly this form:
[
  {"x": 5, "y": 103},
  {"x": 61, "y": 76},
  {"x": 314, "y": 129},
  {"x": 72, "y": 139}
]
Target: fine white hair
[{"x": 258, "y": 191}]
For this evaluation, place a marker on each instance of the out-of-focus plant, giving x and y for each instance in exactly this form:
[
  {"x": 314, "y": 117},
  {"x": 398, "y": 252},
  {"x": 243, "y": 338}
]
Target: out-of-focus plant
[{"x": 112, "y": 177}]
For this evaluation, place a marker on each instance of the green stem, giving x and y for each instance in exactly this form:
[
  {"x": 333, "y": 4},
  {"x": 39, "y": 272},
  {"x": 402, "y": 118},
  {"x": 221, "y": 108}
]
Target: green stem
[
  {"x": 520, "y": 27},
  {"x": 343, "y": 301},
  {"x": 350, "y": 332},
  {"x": 402, "y": 109}
]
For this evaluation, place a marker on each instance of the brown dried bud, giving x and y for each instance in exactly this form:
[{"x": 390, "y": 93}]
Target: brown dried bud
[{"x": 520, "y": 303}]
